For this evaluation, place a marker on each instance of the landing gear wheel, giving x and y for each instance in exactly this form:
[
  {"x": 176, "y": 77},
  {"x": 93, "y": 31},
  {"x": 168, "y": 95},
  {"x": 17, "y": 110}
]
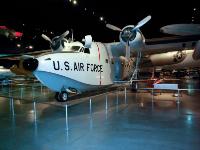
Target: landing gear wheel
[
  {"x": 57, "y": 97},
  {"x": 63, "y": 96}
]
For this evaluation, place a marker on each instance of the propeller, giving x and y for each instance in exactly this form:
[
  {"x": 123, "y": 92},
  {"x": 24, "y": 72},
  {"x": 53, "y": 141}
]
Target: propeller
[
  {"x": 72, "y": 34},
  {"x": 131, "y": 35},
  {"x": 55, "y": 42},
  {"x": 128, "y": 33},
  {"x": 112, "y": 27},
  {"x": 139, "y": 24},
  {"x": 46, "y": 38},
  {"x": 142, "y": 22},
  {"x": 62, "y": 36}
]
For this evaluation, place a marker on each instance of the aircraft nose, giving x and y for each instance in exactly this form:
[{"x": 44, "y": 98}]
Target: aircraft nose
[{"x": 30, "y": 64}]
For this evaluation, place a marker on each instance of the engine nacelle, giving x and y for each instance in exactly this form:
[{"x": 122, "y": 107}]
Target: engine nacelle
[{"x": 168, "y": 58}]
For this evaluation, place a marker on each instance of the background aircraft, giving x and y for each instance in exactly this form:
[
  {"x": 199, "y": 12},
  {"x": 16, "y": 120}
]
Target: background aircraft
[
  {"x": 186, "y": 53},
  {"x": 10, "y": 33},
  {"x": 14, "y": 44}
]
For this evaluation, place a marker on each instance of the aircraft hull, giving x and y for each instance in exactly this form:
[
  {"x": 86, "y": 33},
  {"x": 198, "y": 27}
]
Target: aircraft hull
[{"x": 57, "y": 82}]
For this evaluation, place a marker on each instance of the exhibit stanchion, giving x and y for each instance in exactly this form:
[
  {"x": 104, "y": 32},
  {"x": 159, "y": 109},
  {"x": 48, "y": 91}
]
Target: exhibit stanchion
[
  {"x": 90, "y": 106},
  {"x": 106, "y": 102},
  {"x": 36, "y": 129},
  {"x": 106, "y": 106},
  {"x": 91, "y": 121},
  {"x": 178, "y": 98},
  {"x": 21, "y": 92},
  {"x": 33, "y": 92},
  {"x": 12, "y": 106},
  {"x": 13, "y": 114},
  {"x": 41, "y": 88},
  {"x": 117, "y": 102},
  {"x": 66, "y": 123},
  {"x": 178, "y": 101},
  {"x": 125, "y": 95},
  {"x": 35, "y": 118},
  {"x": 12, "y": 109},
  {"x": 66, "y": 117},
  {"x": 35, "y": 111},
  {"x": 9, "y": 92},
  {"x": 152, "y": 95}
]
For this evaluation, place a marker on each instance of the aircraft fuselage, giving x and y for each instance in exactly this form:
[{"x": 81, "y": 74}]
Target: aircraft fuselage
[{"x": 79, "y": 70}]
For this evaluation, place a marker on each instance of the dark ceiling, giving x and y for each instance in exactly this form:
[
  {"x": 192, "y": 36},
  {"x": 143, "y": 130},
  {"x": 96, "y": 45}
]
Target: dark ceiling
[{"x": 60, "y": 15}]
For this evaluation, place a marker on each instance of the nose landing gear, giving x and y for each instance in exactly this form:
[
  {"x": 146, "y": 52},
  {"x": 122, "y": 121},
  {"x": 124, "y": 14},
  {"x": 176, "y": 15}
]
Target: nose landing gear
[{"x": 62, "y": 96}]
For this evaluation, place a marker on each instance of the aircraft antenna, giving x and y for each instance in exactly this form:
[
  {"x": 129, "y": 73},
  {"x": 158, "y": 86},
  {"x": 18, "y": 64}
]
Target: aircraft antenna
[{"x": 72, "y": 35}]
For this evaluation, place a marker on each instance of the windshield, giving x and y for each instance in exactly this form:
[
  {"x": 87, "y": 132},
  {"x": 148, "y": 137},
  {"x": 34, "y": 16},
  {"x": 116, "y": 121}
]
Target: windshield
[{"x": 75, "y": 48}]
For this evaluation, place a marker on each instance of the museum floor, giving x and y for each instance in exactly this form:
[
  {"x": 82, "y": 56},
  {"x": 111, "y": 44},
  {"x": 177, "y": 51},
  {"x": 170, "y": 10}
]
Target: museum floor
[{"x": 30, "y": 119}]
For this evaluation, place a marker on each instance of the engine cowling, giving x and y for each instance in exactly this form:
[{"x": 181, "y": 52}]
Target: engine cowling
[
  {"x": 57, "y": 43},
  {"x": 131, "y": 37},
  {"x": 168, "y": 58}
]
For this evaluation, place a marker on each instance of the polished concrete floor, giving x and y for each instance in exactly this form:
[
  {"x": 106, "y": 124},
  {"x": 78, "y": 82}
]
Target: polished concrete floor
[{"x": 31, "y": 119}]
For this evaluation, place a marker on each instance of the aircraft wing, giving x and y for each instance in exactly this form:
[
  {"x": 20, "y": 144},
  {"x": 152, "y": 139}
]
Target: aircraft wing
[
  {"x": 181, "y": 29},
  {"x": 158, "y": 45},
  {"x": 185, "y": 36},
  {"x": 168, "y": 44},
  {"x": 18, "y": 59},
  {"x": 17, "y": 56}
]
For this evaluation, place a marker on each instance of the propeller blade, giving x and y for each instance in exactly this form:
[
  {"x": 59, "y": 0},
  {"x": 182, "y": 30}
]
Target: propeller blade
[
  {"x": 46, "y": 38},
  {"x": 142, "y": 22},
  {"x": 72, "y": 34},
  {"x": 64, "y": 35},
  {"x": 112, "y": 27}
]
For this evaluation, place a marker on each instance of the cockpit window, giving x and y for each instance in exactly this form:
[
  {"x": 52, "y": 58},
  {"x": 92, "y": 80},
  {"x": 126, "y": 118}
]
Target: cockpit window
[
  {"x": 87, "y": 50},
  {"x": 82, "y": 49},
  {"x": 75, "y": 48}
]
